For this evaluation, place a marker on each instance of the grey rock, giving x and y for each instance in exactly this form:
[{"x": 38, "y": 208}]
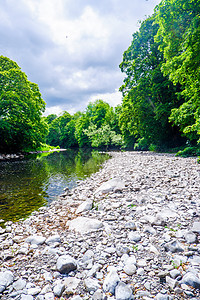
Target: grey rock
[
  {"x": 149, "y": 229},
  {"x": 134, "y": 236},
  {"x": 49, "y": 296},
  {"x": 174, "y": 273},
  {"x": 26, "y": 297},
  {"x": 76, "y": 298},
  {"x": 53, "y": 239},
  {"x": 121, "y": 249},
  {"x": 36, "y": 239},
  {"x": 191, "y": 279},
  {"x": 160, "y": 296},
  {"x": 71, "y": 285},
  {"x": 173, "y": 247},
  {"x": 58, "y": 289},
  {"x": 171, "y": 282},
  {"x": 114, "y": 184},
  {"x": 123, "y": 292},
  {"x": 111, "y": 281},
  {"x": 6, "y": 278},
  {"x": 84, "y": 225},
  {"x": 66, "y": 264},
  {"x": 190, "y": 237},
  {"x": 98, "y": 295},
  {"x": 89, "y": 254},
  {"x": 130, "y": 265},
  {"x": 130, "y": 225},
  {"x": 34, "y": 291},
  {"x": 91, "y": 284},
  {"x": 19, "y": 284},
  {"x": 85, "y": 206},
  {"x": 196, "y": 227}
]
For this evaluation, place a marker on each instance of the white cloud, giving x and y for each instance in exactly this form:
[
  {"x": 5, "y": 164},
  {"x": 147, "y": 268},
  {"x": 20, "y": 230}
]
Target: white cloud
[{"x": 84, "y": 66}]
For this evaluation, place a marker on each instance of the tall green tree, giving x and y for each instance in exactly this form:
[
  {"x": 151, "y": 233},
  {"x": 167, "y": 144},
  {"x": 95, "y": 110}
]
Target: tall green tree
[
  {"x": 179, "y": 39},
  {"x": 148, "y": 95},
  {"x": 21, "y": 107}
]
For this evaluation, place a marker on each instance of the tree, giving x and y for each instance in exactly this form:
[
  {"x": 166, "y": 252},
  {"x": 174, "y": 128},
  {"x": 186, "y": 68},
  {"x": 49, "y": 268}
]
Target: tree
[
  {"x": 179, "y": 38},
  {"x": 21, "y": 107},
  {"x": 148, "y": 95}
]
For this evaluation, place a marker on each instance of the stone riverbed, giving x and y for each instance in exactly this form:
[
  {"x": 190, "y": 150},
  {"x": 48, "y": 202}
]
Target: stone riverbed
[{"x": 130, "y": 231}]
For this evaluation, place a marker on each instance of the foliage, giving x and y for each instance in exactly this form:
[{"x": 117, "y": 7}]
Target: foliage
[
  {"x": 103, "y": 136},
  {"x": 179, "y": 37},
  {"x": 98, "y": 126},
  {"x": 148, "y": 95},
  {"x": 21, "y": 107},
  {"x": 189, "y": 151}
]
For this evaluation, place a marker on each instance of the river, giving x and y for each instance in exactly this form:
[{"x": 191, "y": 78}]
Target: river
[{"x": 28, "y": 184}]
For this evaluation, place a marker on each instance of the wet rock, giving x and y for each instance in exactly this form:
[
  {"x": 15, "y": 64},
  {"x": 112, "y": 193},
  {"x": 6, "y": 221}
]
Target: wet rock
[{"x": 66, "y": 264}]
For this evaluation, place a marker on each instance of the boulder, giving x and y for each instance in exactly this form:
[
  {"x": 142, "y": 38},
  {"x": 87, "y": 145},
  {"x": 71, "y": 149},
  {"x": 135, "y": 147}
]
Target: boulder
[
  {"x": 112, "y": 185},
  {"x": 84, "y": 225}
]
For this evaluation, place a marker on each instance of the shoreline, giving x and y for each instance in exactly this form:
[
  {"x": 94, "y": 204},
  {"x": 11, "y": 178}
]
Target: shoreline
[{"x": 129, "y": 231}]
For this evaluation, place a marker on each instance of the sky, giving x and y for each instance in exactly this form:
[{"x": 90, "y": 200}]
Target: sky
[{"x": 71, "y": 48}]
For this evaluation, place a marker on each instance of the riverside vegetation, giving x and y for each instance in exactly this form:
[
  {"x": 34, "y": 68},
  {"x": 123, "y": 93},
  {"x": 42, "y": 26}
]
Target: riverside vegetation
[
  {"x": 130, "y": 231},
  {"x": 160, "y": 108}
]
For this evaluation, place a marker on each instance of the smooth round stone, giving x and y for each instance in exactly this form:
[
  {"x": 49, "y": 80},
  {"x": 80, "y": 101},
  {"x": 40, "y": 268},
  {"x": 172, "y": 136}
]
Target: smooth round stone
[
  {"x": 111, "y": 281},
  {"x": 140, "y": 271},
  {"x": 19, "y": 284},
  {"x": 134, "y": 236},
  {"x": 53, "y": 239},
  {"x": 130, "y": 269},
  {"x": 36, "y": 239},
  {"x": 123, "y": 292},
  {"x": 91, "y": 284},
  {"x": 66, "y": 264},
  {"x": 58, "y": 289}
]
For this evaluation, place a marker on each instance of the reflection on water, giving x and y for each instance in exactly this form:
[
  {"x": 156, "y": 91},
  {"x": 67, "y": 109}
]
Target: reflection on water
[{"x": 26, "y": 185}]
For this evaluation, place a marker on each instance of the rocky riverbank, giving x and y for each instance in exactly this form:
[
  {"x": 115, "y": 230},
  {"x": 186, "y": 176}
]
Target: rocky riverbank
[{"x": 130, "y": 231}]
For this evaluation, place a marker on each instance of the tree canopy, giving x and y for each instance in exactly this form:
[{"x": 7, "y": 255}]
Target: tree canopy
[{"x": 21, "y": 107}]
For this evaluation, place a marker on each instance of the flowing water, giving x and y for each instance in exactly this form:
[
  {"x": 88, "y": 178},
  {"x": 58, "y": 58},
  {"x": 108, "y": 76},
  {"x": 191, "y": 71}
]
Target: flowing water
[{"x": 28, "y": 184}]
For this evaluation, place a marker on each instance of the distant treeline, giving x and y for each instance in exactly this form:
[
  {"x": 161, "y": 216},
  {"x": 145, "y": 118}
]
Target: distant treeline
[{"x": 161, "y": 94}]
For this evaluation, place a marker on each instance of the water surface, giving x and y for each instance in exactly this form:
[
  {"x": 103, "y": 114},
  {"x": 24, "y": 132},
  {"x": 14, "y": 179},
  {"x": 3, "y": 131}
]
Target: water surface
[{"x": 26, "y": 185}]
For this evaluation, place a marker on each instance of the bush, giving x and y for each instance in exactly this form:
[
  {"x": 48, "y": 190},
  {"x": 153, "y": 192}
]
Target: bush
[{"x": 189, "y": 151}]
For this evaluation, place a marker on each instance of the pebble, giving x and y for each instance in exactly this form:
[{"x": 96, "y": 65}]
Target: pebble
[{"x": 132, "y": 227}]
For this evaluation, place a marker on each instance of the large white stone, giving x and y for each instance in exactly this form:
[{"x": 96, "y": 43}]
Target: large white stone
[
  {"x": 84, "y": 225},
  {"x": 123, "y": 292},
  {"x": 85, "y": 206},
  {"x": 111, "y": 281},
  {"x": 114, "y": 184},
  {"x": 6, "y": 278},
  {"x": 36, "y": 239}
]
